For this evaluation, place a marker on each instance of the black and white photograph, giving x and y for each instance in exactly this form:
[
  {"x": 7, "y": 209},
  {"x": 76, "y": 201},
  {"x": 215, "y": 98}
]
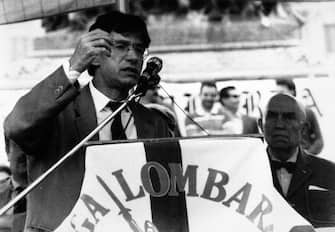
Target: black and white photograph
[{"x": 167, "y": 115}]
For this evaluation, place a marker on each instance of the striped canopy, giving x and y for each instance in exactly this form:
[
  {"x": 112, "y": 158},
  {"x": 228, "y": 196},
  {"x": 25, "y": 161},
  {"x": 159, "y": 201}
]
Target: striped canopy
[{"x": 12, "y": 11}]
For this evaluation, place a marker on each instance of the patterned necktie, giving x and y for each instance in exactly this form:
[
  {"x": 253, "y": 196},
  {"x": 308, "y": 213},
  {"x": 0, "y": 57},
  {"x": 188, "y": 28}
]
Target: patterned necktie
[
  {"x": 117, "y": 130},
  {"x": 289, "y": 166}
]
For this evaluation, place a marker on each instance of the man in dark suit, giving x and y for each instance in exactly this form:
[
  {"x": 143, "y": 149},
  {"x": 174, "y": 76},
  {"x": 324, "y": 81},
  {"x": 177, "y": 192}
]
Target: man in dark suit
[
  {"x": 306, "y": 182},
  {"x": 63, "y": 108},
  {"x": 236, "y": 122}
]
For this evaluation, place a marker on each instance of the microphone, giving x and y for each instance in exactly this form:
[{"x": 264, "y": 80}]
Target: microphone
[
  {"x": 154, "y": 65},
  {"x": 149, "y": 77}
]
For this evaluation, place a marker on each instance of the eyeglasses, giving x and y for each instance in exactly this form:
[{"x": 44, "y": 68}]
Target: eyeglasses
[{"x": 123, "y": 47}]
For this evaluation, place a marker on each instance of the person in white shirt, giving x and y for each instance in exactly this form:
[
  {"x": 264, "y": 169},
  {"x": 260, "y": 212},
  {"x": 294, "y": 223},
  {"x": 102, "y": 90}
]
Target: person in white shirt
[
  {"x": 203, "y": 117},
  {"x": 205, "y": 102},
  {"x": 236, "y": 122}
]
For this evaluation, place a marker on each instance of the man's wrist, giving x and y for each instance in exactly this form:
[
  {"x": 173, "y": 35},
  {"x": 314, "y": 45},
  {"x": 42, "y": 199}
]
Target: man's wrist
[{"x": 71, "y": 74}]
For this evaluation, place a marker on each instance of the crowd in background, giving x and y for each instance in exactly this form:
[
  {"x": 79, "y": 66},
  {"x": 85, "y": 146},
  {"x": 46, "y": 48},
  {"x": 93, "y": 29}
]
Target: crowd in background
[
  {"x": 222, "y": 111},
  {"x": 218, "y": 112}
]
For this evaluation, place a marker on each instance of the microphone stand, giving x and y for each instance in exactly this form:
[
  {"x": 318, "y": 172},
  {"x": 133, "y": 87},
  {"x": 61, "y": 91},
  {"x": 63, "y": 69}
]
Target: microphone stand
[{"x": 139, "y": 91}]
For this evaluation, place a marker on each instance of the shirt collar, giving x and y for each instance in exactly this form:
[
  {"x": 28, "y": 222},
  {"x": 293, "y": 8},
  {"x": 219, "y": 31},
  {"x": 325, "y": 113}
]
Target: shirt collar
[{"x": 100, "y": 100}]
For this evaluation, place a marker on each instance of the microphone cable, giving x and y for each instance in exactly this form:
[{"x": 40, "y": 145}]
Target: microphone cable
[{"x": 184, "y": 112}]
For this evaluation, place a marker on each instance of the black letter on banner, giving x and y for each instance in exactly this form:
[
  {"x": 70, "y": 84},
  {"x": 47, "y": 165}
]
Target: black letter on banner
[
  {"x": 94, "y": 207},
  {"x": 163, "y": 178},
  {"x": 260, "y": 211},
  {"x": 177, "y": 179},
  {"x": 125, "y": 187},
  {"x": 210, "y": 183},
  {"x": 88, "y": 225},
  {"x": 243, "y": 200},
  {"x": 72, "y": 223}
]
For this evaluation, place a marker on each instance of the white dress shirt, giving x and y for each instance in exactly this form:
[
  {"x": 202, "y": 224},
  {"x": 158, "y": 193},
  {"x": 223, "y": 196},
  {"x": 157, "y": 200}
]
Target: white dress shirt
[
  {"x": 100, "y": 101},
  {"x": 284, "y": 177},
  {"x": 233, "y": 123}
]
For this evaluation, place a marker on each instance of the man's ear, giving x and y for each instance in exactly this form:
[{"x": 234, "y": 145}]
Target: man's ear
[{"x": 260, "y": 124}]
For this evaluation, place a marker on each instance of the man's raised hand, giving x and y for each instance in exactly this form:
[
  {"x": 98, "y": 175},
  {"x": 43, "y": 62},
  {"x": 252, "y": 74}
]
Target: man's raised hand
[{"x": 89, "y": 46}]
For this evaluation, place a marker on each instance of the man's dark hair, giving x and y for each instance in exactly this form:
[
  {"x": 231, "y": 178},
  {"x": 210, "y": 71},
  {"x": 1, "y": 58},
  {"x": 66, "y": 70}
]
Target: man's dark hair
[
  {"x": 207, "y": 83},
  {"x": 289, "y": 83},
  {"x": 4, "y": 168},
  {"x": 224, "y": 92},
  {"x": 125, "y": 24}
]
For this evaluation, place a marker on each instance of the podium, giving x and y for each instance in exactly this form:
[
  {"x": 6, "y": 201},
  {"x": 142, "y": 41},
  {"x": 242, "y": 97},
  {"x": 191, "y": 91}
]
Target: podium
[{"x": 198, "y": 184}]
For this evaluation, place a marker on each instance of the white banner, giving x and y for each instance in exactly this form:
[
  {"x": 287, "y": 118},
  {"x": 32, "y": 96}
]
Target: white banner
[
  {"x": 194, "y": 185},
  {"x": 20, "y": 10}
]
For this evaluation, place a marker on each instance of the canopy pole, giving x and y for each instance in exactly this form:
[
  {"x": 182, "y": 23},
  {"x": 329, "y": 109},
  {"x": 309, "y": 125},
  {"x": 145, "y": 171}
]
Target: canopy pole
[{"x": 123, "y": 5}]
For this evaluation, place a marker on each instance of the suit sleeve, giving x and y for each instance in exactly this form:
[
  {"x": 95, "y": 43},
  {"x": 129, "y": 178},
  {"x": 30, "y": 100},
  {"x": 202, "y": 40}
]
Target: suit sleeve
[
  {"x": 17, "y": 163},
  {"x": 32, "y": 118}
]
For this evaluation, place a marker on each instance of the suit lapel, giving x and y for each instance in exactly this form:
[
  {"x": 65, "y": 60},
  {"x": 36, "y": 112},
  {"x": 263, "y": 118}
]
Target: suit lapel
[
  {"x": 86, "y": 119},
  {"x": 143, "y": 121},
  {"x": 301, "y": 174}
]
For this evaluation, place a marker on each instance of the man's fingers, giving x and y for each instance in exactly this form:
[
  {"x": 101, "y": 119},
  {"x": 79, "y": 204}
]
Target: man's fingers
[
  {"x": 95, "y": 45},
  {"x": 92, "y": 38},
  {"x": 90, "y": 45},
  {"x": 98, "y": 51},
  {"x": 100, "y": 43},
  {"x": 103, "y": 51},
  {"x": 98, "y": 32},
  {"x": 96, "y": 36}
]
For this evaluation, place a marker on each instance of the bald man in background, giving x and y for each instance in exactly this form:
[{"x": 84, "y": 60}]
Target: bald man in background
[{"x": 306, "y": 182}]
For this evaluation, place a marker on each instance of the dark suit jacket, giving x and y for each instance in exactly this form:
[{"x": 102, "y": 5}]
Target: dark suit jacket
[
  {"x": 249, "y": 125},
  {"x": 49, "y": 121},
  {"x": 312, "y": 189}
]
